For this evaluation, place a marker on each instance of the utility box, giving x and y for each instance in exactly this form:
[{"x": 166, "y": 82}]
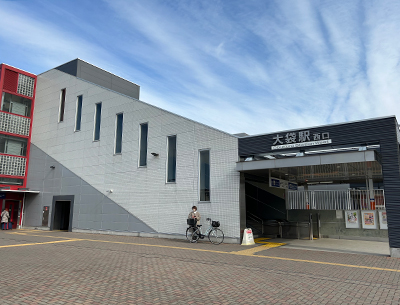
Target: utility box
[{"x": 45, "y": 218}]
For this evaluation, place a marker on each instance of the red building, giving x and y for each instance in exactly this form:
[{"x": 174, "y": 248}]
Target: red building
[{"x": 17, "y": 92}]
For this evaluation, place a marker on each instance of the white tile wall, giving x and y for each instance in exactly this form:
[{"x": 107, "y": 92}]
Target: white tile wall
[{"x": 141, "y": 191}]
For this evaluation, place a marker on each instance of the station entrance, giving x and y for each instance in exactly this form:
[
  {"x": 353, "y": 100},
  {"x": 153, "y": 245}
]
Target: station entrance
[{"x": 336, "y": 194}]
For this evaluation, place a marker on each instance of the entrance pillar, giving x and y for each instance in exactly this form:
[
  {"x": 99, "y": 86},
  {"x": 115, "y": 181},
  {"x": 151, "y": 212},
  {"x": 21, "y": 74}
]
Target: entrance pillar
[
  {"x": 306, "y": 196},
  {"x": 371, "y": 194},
  {"x": 242, "y": 204},
  {"x": 370, "y": 187}
]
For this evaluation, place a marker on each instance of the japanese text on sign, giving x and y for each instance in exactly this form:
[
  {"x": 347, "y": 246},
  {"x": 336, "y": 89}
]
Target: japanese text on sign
[{"x": 300, "y": 139}]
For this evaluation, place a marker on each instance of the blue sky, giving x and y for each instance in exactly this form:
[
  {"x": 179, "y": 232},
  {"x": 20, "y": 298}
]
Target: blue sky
[{"x": 240, "y": 66}]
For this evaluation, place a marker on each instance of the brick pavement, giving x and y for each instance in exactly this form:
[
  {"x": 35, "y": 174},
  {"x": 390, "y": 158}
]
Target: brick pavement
[{"x": 105, "y": 269}]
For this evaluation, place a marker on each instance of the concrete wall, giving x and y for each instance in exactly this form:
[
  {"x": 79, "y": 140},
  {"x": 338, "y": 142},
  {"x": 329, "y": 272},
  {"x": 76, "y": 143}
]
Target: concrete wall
[
  {"x": 93, "y": 74},
  {"x": 334, "y": 227},
  {"x": 141, "y": 191},
  {"x": 273, "y": 190},
  {"x": 93, "y": 210},
  {"x": 263, "y": 201}
]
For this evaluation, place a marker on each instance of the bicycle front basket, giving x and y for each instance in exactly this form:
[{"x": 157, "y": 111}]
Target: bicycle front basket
[
  {"x": 191, "y": 221},
  {"x": 215, "y": 224}
]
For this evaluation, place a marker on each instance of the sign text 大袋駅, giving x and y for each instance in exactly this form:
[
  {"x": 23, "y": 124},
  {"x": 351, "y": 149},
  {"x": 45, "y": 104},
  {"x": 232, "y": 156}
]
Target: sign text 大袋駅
[{"x": 300, "y": 139}]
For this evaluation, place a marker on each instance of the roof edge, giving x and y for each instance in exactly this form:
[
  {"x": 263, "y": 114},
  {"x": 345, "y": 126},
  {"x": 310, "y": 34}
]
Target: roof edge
[
  {"x": 320, "y": 126},
  {"x": 148, "y": 104},
  {"x": 79, "y": 59}
]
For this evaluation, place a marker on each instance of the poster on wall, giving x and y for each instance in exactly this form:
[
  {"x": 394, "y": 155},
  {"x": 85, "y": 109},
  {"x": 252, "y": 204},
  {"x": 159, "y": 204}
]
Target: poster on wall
[
  {"x": 369, "y": 220},
  {"x": 383, "y": 220},
  {"x": 352, "y": 219}
]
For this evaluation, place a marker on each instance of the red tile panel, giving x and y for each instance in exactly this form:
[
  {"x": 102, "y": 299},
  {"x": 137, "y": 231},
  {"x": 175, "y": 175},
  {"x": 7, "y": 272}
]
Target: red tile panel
[{"x": 10, "y": 80}]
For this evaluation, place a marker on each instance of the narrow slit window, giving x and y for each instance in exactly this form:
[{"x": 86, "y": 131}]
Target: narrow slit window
[
  {"x": 143, "y": 144},
  {"x": 97, "y": 122},
  {"x": 78, "y": 113},
  {"x": 118, "y": 133},
  {"x": 62, "y": 105},
  {"x": 204, "y": 175},
  {"x": 171, "y": 159}
]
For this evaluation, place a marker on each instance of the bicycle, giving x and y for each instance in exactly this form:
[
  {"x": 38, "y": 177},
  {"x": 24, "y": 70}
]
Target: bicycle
[{"x": 193, "y": 233}]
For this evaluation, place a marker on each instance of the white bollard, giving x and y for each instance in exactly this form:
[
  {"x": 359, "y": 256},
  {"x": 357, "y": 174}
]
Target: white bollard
[{"x": 248, "y": 237}]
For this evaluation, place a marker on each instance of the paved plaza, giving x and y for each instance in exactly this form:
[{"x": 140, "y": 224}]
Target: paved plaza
[{"x": 48, "y": 267}]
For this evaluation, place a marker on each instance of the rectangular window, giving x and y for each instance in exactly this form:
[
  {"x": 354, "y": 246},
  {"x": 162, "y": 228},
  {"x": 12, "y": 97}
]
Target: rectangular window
[
  {"x": 13, "y": 145},
  {"x": 118, "y": 133},
  {"x": 143, "y": 144},
  {"x": 204, "y": 175},
  {"x": 78, "y": 113},
  {"x": 97, "y": 122},
  {"x": 16, "y": 104},
  {"x": 171, "y": 159},
  {"x": 11, "y": 181},
  {"x": 62, "y": 105}
]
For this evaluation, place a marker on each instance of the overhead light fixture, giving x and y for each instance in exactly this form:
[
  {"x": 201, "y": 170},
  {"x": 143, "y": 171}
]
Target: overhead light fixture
[
  {"x": 155, "y": 154},
  {"x": 52, "y": 167}
]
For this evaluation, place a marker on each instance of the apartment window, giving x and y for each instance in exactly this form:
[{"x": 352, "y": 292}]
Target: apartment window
[
  {"x": 171, "y": 159},
  {"x": 97, "y": 122},
  {"x": 118, "y": 133},
  {"x": 11, "y": 181},
  {"x": 78, "y": 113},
  {"x": 13, "y": 145},
  {"x": 204, "y": 175},
  {"x": 143, "y": 144},
  {"x": 16, "y": 104},
  {"x": 62, "y": 105}
]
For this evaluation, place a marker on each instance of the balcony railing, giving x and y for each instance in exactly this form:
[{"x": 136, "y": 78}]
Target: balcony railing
[
  {"x": 12, "y": 166},
  {"x": 14, "y": 124},
  {"x": 335, "y": 200}
]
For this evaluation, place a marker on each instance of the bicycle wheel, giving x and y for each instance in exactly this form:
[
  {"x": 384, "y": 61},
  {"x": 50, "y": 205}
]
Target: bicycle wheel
[
  {"x": 216, "y": 236},
  {"x": 192, "y": 234}
]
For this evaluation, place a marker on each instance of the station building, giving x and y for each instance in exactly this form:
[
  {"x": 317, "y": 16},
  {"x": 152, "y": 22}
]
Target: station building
[
  {"x": 98, "y": 159},
  {"x": 341, "y": 178}
]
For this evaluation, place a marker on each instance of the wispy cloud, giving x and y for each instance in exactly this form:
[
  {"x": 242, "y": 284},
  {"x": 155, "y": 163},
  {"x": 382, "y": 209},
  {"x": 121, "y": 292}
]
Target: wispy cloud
[{"x": 240, "y": 66}]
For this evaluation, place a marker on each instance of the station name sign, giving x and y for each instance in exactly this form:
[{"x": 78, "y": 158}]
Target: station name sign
[{"x": 300, "y": 139}]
